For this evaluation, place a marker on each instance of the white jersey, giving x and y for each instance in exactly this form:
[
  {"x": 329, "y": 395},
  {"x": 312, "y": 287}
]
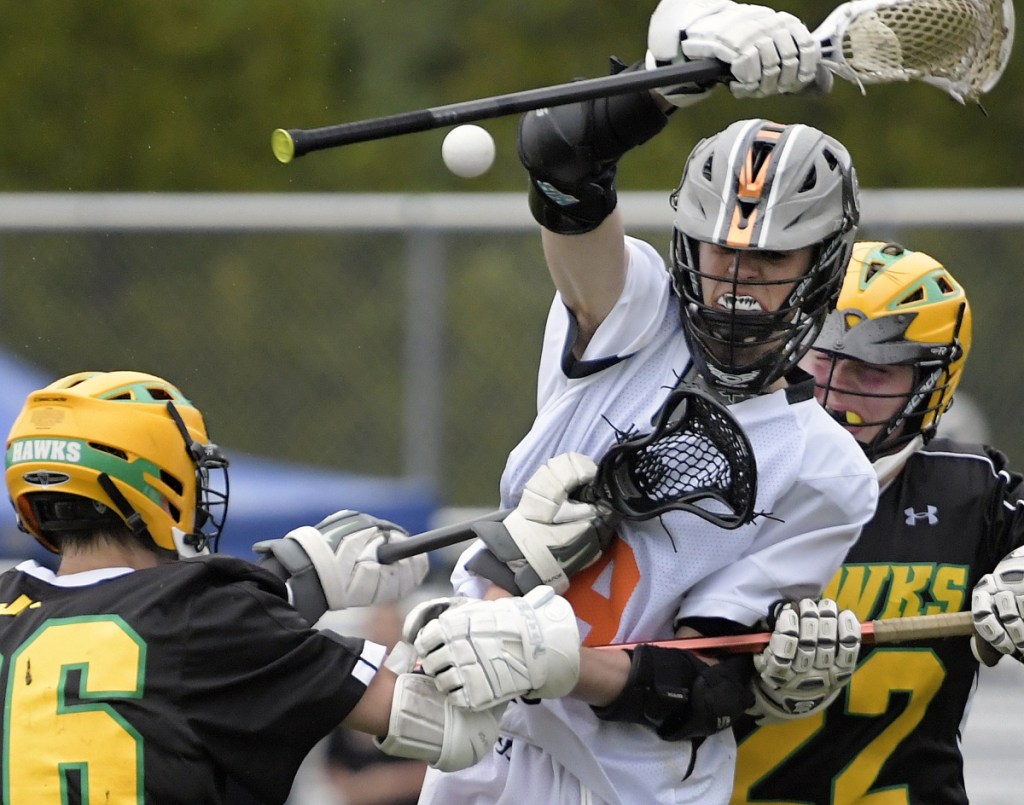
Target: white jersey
[{"x": 813, "y": 480}]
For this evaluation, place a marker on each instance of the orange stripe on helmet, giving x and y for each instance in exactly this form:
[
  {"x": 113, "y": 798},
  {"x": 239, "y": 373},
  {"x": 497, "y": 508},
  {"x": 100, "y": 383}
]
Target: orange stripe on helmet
[
  {"x": 751, "y": 181},
  {"x": 741, "y": 229}
]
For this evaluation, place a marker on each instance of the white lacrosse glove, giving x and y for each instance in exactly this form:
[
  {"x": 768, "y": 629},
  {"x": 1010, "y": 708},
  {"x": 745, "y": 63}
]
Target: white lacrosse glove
[
  {"x": 548, "y": 537},
  {"x": 333, "y": 565},
  {"x": 768, "y": 52},
  {"x": 998, "y": 607},
  {"x": 424, "y": 725},
  {"x": 483, "y": 653},
  {"x": 810, "y": 658}
]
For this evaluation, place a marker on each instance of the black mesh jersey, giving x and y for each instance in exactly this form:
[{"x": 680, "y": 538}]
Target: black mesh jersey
[
  {"x": 949, "y": 517},
  {"x": 158, "y": 685}
]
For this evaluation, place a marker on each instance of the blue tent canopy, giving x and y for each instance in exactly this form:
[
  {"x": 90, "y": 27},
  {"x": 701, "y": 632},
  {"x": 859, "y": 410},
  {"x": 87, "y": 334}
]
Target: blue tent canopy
[{"x": 268, "y": 498}]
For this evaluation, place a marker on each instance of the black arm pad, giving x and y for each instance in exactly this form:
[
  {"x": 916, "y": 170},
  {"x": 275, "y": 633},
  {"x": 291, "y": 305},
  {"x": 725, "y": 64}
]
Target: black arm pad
[
  {"x": 679, "y": 696},
  {"x": 571, "y": 153}
]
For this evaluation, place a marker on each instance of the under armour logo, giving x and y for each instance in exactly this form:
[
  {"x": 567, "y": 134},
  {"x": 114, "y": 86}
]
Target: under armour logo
[{"x": 931, "y": 515}]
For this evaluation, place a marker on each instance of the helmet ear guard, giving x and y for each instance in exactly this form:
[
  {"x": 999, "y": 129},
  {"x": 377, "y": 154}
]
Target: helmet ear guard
[
  {"x": 132, "y": 446},
  {"x": 900, "y": 307}
]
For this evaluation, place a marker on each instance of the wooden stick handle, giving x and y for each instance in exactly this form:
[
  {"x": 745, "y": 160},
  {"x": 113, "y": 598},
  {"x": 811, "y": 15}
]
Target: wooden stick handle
[
  {"x": 887, "y": 630},
  {"x": 918, "y": 627}
]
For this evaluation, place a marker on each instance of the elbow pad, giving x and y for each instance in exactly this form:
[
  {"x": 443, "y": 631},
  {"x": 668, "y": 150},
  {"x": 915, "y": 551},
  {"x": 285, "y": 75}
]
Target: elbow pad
[
  {"x": 571, "y": 153},
  {"x": 679, "y": 696}
]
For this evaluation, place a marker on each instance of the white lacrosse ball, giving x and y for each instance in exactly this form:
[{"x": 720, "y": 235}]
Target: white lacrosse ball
[{"x": 468, "y": 151}]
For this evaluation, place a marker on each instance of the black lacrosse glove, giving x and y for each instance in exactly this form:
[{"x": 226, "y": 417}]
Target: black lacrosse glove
[{"x": 679, "y": 696}]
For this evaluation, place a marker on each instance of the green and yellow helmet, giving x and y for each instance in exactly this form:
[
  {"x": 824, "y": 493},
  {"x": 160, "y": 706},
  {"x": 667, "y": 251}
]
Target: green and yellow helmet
[
  {"x": 95, "y": 445},
  {"x": 900, "y": 307}
]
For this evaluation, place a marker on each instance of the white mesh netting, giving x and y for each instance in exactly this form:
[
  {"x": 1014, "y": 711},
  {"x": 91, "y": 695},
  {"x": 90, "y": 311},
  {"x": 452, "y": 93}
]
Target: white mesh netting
[{"x": 958, "y": 45}]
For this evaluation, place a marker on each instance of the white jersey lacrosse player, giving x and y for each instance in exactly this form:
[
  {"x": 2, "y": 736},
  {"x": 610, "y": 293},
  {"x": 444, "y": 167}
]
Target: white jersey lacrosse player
[
  {"x": 665, "y": 571},
  {"x": 765, "y": 220}
]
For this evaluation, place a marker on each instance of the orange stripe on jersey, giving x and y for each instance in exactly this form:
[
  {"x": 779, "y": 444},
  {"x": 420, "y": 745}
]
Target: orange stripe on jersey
[{"x": 604, "y": 613}]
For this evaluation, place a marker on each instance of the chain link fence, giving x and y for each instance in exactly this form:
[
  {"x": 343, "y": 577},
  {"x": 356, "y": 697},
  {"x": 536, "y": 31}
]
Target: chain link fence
[{"x": 392, "y": 335}]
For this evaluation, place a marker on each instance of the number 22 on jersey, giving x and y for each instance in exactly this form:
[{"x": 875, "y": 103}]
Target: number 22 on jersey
[{"x": 918, "y": 673}]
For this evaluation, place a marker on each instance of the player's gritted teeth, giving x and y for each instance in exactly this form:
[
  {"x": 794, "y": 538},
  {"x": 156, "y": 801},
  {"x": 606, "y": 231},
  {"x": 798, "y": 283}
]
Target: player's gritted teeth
[{"x": 740, "y": 304}]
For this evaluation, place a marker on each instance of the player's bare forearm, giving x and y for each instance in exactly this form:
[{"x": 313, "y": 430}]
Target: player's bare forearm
[
  {"x": 589, "y": 271},
  {"x": 373, "y": 710},
  {"x": 603, "y": 673},
  {"x": 603, "y": 676}
]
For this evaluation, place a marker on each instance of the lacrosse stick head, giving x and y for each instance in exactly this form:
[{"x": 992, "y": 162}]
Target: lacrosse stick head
[
  {"x": 960, "y": 46},
  {"x": 697, "y": 459}
]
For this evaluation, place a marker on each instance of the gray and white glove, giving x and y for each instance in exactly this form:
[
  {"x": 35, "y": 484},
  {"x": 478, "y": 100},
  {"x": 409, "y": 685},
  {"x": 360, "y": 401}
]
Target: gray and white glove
[
  {"x": 424, "y": 725},
  {"x": 484, "y": 653},
  {"x": 810, "y": 658},
  {"x": 333, "y": 565},
  {"x": 548, "y": 537},
  {"x": 768, "y": 52},
  {"x": 998, "y": 607}
]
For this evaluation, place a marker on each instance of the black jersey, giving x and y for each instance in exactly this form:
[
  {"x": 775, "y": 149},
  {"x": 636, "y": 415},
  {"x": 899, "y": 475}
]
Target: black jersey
[
  {"x": 948, "y": 518},
  {"x": 159, "y": 685}
]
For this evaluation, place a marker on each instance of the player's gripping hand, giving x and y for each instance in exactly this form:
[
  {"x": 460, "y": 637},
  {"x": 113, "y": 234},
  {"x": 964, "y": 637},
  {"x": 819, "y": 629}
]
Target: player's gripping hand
[
  {"x": 998, "y": 607},
  {"x": 483, "y": 653},
  {"x": 548, "y": 537},
  {"x": 424, "y": 725},
  {"x": 333, "y": 565},
  {"x": 810, "y": 658},
  {"x": 768, "y": 52}
]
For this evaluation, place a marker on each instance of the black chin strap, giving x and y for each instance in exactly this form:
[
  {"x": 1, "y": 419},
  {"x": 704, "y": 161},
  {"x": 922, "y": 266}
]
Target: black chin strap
[
  {"x": 203, "y": 457},
  {"x": 131, "y": 517}
]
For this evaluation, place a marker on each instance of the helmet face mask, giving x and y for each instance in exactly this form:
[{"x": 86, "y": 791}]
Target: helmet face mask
[
  {"x": 897, "y": 308},
  {"x": 872, "y": 401},
  {"x": 761, "y": 188},
  {"x": 130, "y": 443}
]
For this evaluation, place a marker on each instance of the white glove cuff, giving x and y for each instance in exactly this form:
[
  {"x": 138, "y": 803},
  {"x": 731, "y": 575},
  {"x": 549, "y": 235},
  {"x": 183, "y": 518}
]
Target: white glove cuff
[
  {"x": 537, "y": 555},
  {"x": 559, "y": 644},
  {"x": 331, "y": 575},
  {"x": 423, "y": 726},
  {"x": 402, "y": 658}
]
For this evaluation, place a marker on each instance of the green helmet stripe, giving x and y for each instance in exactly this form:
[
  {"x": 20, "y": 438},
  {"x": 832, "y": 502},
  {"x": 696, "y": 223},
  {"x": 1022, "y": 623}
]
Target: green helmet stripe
[
  {"x": 142, "y": 393},
  {"x": 75, "y": 452}
]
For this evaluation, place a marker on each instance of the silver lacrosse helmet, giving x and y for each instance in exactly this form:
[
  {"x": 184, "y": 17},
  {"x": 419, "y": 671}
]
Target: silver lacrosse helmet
[{"x": 762, "y": 186}]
